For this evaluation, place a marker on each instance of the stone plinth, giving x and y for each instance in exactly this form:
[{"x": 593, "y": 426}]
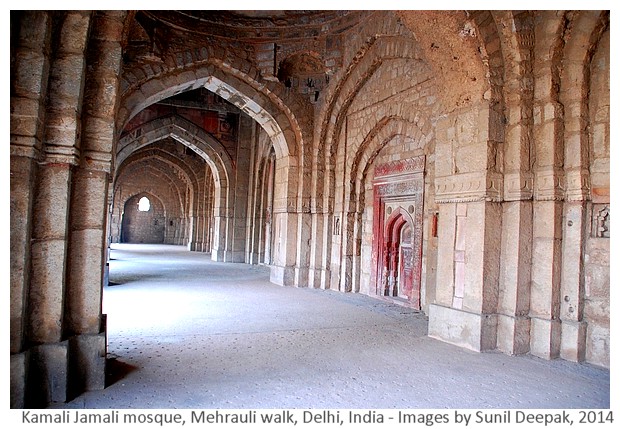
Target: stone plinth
[{"x": 469, "y": 330}]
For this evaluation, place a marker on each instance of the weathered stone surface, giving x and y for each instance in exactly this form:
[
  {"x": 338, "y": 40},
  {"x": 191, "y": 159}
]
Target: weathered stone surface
[
  {"x": 87, "y": 363},
  {"x": 573, "y": 346},
  {"x": 47, "y": 375},
  {"x": 545, "y": 338},
  {"x": 19, "y": 370},
  {"x": 476, "y": 332},
  {"x": 513, "y": 334}
]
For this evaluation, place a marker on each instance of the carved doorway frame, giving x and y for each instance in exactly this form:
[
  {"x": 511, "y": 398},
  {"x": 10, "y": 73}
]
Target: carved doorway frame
[{"x": 398, "y": 202}]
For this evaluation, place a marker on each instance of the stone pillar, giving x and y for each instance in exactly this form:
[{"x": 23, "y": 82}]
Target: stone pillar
[
  {"x": 304, "y": 222},
  {"x": 198, "y": 235},
  {"x": 468, "y": 191},
  {"x": 577, "y": 147},
  {"x": 464, "y": 313},
  {"x": 285, "y": 243},
  {"x": 253, "y": 214},
  {"x": 322, "y": 232},
  {"x": 304, "y": 228},
  {"x": 210, "y": 190},
  {"x": 572, "y": 293},
  {"x": 285, "y": 222},
  {"x": 83, "y": 322},
  {"x": 446, "y": 228},
  {"x": 267, "y": 191},
  {"x": 52, "y": 200},
  {"x": 87, "y": 252},
  {"x": 89, "y": 198},
  {"x": 241, "y": 191},
  {"x": 549, "y": 186},
  {"x": 513, "y": 323},
  {"x": 218, "y": 251},
  {"x": 318, "y": 275},
  {"x": 29, "y": 75},
  {"x": 348, "y": 257}
]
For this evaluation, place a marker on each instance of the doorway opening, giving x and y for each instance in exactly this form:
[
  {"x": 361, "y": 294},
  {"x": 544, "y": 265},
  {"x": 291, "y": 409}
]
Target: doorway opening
[{"x": 397, "y": 231}]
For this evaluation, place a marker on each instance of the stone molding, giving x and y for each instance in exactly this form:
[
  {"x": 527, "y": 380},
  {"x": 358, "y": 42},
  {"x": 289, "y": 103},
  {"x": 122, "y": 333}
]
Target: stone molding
[
  {"x": 577, "y": 185},
  {"x": 25, "y": 151},
  {"x": 469, "y": 187},
  {"x": 549, "y": 185},
  {"x": 401, "y": 167},
  {"x": 61, "y": 155},
  {"x": 518, "y": 186},
  {"x": 99, "y": 161}
]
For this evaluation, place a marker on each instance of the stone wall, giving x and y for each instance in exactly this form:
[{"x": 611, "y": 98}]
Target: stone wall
[{"x": 143, "y": 226}]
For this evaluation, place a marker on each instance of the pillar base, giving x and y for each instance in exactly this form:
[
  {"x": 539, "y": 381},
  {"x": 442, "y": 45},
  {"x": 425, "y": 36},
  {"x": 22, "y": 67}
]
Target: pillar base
[
  {"x": 218, "y": 255},
  {"x": 255, "y": 258},
  {"x": 47, "y": 375},
  {"x": 58, "y": 372},
  {"x": 19, "y": 369},
  {"x": 573, "y": 345},
  {"x": 513, "y": 334},
  {"x": 472, "y": 331},
  {"x": 318, "y": 278},
  {"x": 545, "y": 338},
  {"x": 87, "y": 362},
  {"x": 301, "y": 277},
  {"x": 283, "y": 276}
]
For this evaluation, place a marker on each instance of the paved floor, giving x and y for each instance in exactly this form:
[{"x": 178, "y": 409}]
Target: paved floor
[{"x": 185, "y": 332}]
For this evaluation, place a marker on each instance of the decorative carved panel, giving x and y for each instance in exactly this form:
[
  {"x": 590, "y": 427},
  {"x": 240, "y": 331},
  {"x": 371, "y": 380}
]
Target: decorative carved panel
[{"x": 600, "y": 221}]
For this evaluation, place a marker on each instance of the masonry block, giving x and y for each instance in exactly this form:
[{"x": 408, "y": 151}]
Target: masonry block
[
  {"x": 573, "y": 346},
  {"x": 19, "y": 371},
  {"x": 545, "y": 338},
  {"x": 476, "y": 332},
  {"x": 283, "y": 276},
  {"x": 513, "y": 334},
  {"x": 47, "y": 375},
  {"x": 597, "y": 346},
  {"x": 87, "y": 356}
]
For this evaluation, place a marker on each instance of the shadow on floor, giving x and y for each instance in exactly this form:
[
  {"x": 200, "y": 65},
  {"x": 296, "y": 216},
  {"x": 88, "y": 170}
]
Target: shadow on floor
[{"x": 117, "y": 370}]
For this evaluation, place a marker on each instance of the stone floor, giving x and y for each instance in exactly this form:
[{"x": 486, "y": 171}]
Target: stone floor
[{"x": 185, "y": 332}]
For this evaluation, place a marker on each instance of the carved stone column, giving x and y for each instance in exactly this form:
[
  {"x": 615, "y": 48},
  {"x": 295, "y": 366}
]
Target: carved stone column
[
  {"x": 49, "y": 364},
  {"x": 468, "y": 191},
  {"x": 87, "y": 251},
  {"x": 285, "y": 222},
  {"x": 29, "y": 77}
]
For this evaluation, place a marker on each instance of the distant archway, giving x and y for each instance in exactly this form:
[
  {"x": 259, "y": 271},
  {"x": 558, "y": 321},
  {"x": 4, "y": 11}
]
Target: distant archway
[{"x": 144, "y": 220}]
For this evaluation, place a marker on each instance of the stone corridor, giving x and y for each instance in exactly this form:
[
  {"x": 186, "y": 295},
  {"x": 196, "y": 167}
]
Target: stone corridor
[
  {"x": 449, "y": 170},
  {"x": 187, "y": 332}
]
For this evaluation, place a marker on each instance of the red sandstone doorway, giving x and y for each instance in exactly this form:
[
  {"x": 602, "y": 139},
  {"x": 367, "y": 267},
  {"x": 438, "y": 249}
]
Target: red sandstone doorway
[{"x": 397, "y": 230}]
